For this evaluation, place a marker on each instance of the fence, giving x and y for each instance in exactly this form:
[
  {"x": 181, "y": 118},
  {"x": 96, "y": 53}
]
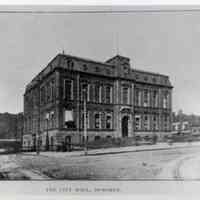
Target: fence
[{"x": 96, "y": 144}]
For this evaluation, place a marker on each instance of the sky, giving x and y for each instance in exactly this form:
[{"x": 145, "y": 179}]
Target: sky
[{"x": 163, "y": 42}]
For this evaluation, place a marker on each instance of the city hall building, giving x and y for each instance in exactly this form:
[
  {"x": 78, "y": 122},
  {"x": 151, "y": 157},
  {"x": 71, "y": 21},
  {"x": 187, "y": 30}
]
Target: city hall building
[{"x": 121, "y": 101}]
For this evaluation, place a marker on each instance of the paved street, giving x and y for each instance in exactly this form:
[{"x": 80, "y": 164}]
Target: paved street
[{"x": 174, "y": 163}]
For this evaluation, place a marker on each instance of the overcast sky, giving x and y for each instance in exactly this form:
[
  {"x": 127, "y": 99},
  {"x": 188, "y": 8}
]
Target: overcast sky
[{"x": 167, "y": 42}]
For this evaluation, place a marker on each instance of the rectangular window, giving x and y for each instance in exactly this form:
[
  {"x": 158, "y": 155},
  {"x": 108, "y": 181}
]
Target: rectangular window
[
  {"x": 108, "y": 94},
  {"x": 146, "y": 98},
  {"x": 155, "y": 98},
  {"x": 155, "y": 122},
  {"x": 97, "y": 120},
  {"x": 137, "y": 97},
  {"x": 108, "y": 121},
  {"x": 100, "y": 94},
  {"x": 88, "y": 91},
  {"x": 42, "y": 95},
  {"x": 166, "y": 99},
  {"x": 69, "y": 119},
  {"x": 125, "y": 95},
  {"x": 97, "y": 93},
  {"x": 53, "y": 90},
  {"x": 68, "y": 89},
  {"x": 146, "y": 122},
  {"x": 137, "y": 122},
  {"x": 91, "y": 92},
  {"x": 47, "y": 92}
]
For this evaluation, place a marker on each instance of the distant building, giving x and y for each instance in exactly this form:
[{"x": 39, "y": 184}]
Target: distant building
[
  {"x": 181, "y": 127},
  {"x": 195, "y": 130},
  {"x": 121, "y": 101}
]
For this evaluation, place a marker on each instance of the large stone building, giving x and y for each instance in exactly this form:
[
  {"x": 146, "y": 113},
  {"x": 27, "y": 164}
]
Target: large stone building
[{"x": 121, "y": 101}]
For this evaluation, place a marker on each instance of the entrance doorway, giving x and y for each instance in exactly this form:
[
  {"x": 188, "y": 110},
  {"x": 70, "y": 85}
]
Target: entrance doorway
[{"x": 125, "y": 126}]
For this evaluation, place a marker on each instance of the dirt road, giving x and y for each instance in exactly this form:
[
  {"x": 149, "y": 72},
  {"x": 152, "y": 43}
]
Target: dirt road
[
  {"x": 183, "y": 168},
  {"x": 10, "y": 169}
]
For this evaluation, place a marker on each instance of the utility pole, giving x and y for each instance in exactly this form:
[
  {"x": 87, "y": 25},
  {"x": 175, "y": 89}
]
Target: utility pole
[
  {"x": 38, "y": 131},
  {"x": 85, "y": 120}
]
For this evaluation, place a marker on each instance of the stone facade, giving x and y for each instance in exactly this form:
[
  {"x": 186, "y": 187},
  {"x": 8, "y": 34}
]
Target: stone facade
[{"x": 121, "y": 101}]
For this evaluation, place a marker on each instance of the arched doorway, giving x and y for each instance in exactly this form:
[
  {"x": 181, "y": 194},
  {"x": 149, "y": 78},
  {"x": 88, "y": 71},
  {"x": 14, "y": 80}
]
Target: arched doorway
[{"x": 125, "y": 126}]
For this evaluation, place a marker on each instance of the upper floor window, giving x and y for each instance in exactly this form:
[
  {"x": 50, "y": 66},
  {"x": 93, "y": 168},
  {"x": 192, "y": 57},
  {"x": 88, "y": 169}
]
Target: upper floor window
[
  {"x": 48, "y": 89},
  {"x": 155, "y": 98},
  {"x": 165, "y": 99},
  {"x": 145, "y": 78},
  {"x": 53, "y": 92},
  {"x": 68, "y": 89},
  {"x": 42, "y": 95},
  {"x": 97, "y": 69},
  {"x": 70, "y": 64},
  {"x": 97, "y": 93},
  {"x": 108, "y": 94},
  {"x": 146, "y": 98},
  {"x": 90, "y": 96},
  {"x": 125, "y": 95},
  {"x": 137, "y": 97},
  {"x": 85, "y": 68}
]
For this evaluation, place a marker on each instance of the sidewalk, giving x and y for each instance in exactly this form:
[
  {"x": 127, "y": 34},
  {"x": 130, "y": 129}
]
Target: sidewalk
[{"x": 116, "y": 150}]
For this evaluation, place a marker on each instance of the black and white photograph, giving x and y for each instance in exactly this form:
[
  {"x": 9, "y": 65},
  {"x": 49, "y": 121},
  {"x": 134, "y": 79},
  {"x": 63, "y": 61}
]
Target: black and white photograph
[{"x": 99, "y": 94}]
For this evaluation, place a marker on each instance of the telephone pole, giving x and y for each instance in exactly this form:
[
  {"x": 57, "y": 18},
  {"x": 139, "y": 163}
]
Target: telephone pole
[{"x": 85, "y": 120}]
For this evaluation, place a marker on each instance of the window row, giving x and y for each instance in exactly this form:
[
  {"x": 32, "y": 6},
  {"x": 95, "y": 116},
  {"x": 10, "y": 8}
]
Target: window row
[
  {"x": 149, "y": 98},
  {"x": 97, "y": 93},
  {"x": 94, "y": 120},
  {"x": 90, "y": 91},
  {"x": 48, "y": 92},
  {"x": 31, "y": 125},
  {"x": 48, "y": 120},
  {"x": 151, "y": 122}
]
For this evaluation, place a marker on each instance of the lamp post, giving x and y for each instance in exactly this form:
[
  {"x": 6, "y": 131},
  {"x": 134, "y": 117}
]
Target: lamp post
[
  {"x": 38, "y": 143},
  {"x": 85, "y": 119}
]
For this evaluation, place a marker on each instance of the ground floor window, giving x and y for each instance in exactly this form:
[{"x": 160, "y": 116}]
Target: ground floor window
[
  {"x": 69, "y": 119},
  {"x": 108, "y": 121},
  {"x": 97, "y": 120},
  {"x": 97, "y": 137},
  {"x": 146, "y": 122},
  {"x": 155, "y": 122},
  {"x": 137, "y": 122},
  {"x": 166, "y": 122}
]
